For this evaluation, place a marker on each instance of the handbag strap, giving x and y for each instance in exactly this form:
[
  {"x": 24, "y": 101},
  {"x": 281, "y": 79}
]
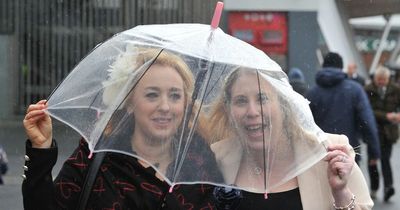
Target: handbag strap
[{"x": 89, "y": 180}]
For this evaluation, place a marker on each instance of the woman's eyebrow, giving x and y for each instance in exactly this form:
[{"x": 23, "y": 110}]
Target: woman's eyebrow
[
  {"x": 172, "y": 89},
  {"x": 152, "y": 88},
  {"x": 175, "y": 89},
  {"x": 239, "y": 96}
]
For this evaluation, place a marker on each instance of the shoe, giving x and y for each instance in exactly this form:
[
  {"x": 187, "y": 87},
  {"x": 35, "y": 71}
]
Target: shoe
[
  {"x": 389, "y": 192},
  {"x": 373, "y": 194}
]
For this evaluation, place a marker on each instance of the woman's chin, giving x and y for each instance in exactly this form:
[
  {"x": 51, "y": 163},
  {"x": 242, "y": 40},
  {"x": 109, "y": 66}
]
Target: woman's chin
[
  {"x": 255, "y": 143},
  {"x": 162, "y": 135}
]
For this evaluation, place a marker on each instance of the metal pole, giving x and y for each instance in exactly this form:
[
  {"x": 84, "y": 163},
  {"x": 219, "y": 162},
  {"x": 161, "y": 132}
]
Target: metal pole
[
  {"x": 395, "y": 52},
  {"x": 378, "y": 53}
]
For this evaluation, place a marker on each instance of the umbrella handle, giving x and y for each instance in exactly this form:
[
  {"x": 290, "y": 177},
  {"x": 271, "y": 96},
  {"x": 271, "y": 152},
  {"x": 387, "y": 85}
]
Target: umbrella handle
[{"x": 217, "y": 15}]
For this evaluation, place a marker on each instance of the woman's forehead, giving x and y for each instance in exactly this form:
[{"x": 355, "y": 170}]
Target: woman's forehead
[
  {"x": 250, "y": 81},
  {"x": 161, "y": 75}
]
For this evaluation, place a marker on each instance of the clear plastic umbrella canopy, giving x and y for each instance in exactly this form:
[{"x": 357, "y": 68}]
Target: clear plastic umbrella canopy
[{"x": 196, "y": 104}]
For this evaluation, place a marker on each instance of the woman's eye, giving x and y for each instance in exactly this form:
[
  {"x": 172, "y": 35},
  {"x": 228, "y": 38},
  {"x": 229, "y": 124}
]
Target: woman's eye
[
  {"x": 263, "y": 98},
  {"x": 151, "y": 95},
  {"x": 240, "y": 101},
  {"x": 176, "y": 96}
]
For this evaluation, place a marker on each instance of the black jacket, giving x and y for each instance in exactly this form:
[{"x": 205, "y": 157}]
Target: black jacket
[{"x": 121, "y": 183}]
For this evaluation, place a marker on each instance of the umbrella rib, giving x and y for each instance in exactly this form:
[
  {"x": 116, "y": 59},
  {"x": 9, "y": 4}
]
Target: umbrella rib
[
  {"x": 90, "y": 105},
  {"x": 263, "y": 135},
  {"x": 188, "y": 112},
  {"x": 191, "y": 131}
]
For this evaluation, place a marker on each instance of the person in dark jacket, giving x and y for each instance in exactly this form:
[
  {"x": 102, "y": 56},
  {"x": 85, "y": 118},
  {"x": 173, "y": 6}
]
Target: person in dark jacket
[
  {"x": 156, "y": 109},
  {"x": 385, "y": 101},
  {"x": 297, "y": 81},
  {"x": 352, "y": 74},
  {"x": 340, "y": 105}
]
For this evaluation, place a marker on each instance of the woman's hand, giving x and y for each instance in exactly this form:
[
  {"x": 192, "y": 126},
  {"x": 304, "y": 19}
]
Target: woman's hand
[
  {"x": 38, "y": 125},
  {"x": 340, "y": 165}
]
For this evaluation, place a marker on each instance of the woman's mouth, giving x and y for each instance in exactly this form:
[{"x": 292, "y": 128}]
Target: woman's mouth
[
  {"x": 255, "y": 130},
  {"x": 254, "y": 127},
  {"x": 162, "y": 121}
]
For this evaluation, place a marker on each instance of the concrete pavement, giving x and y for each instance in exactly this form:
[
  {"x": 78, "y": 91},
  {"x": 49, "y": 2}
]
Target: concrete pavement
[{"x": 394, "y": 202}]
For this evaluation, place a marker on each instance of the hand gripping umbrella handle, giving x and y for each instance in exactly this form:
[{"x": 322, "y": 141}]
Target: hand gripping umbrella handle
[
  {"x": 217, "y": 15},
  {"x": 186, "y": 132}
]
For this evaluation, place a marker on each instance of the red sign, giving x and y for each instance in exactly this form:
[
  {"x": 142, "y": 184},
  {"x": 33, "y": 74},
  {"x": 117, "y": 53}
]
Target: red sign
[{"x": 264, "y": 30}]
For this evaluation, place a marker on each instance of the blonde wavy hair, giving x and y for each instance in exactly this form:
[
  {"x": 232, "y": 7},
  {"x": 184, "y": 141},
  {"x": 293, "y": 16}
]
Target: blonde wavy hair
[{"x": 131, "y": 62}]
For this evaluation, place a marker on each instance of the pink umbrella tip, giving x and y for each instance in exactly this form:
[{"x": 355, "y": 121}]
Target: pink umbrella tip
[
  {"x": 217, "y": 15},
  {"x": 171, "y": 188},
  {"x": 90, "y": 155}
]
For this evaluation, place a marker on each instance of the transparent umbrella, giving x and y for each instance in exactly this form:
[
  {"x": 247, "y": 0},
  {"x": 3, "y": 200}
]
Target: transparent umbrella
[{"x": 152, "y": 92}]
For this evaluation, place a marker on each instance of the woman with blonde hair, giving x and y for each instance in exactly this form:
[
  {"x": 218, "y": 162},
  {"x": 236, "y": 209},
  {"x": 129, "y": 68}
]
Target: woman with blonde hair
[
  {"x": 156, "y": 86},
  {"x": 266, "y": 142}
]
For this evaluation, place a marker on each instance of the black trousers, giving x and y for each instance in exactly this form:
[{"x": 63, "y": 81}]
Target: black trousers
[{"x": 386, "y": 153}]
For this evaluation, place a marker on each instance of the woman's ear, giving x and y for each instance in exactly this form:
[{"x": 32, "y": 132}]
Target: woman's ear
[
  {"x": 129, "y": 103},
  {"x": 129, "y": 107}
]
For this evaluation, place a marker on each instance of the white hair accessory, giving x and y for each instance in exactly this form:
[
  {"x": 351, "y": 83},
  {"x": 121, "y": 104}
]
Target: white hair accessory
[{"x": 119, "y": 72}]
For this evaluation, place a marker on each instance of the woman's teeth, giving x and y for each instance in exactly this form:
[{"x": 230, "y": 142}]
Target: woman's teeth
[{"x": 253, "y": 127}]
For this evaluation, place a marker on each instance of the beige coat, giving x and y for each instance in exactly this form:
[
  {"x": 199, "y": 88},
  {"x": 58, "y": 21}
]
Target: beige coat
[{"x": 314, "y": 188}]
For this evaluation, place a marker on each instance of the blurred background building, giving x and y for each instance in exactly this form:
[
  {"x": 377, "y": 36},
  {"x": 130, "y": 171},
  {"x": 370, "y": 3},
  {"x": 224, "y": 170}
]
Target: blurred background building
[
  {"x": 298, "y": 33},
  {"x": 41, "y": 41}
]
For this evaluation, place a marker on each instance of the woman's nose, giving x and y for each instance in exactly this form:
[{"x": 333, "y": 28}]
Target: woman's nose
[
  {"x": 164, "y": 104},
  {"x": 253, "y": 109}
]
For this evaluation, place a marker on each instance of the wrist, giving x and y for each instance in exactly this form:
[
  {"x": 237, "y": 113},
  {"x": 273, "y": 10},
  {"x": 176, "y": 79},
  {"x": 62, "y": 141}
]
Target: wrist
[
  {"x": 342, "y": 197},
  {"x": 42, "y": 145},
  {"x": 350, "y": 206}
]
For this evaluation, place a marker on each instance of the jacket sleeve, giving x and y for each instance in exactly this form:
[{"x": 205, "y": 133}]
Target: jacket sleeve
[
  {"x": 367, "y": 124},
  {"x": 40, "y": 191},
  {"x": 380, "y": 115},
  {"x": 37, "y": 187}
]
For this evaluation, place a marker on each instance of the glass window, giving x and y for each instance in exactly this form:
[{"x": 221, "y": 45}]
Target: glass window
[
  {"x": 245, "y": 35},
  {"x": 272, "y": 37}
]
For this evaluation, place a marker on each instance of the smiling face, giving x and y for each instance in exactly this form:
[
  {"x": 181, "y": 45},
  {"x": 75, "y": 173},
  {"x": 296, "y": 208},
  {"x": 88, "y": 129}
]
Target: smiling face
[
  {"x": 256, "y": 115},
  {"x": 158, "y": 104}
]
